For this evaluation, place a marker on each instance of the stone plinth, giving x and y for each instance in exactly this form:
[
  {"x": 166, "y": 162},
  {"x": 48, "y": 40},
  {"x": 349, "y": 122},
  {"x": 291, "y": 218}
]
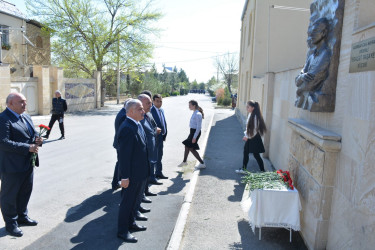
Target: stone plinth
[
  {"x": 44, "y": 94},
  {"x": 312, "y": 163}
]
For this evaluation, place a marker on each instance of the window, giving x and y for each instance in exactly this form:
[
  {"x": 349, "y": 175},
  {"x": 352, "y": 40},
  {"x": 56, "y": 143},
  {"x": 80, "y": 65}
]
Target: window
[
  {"x": 5, "y": 35},
  {"x": 250, "y": 28},
  {"x": 39, "y": 42}
]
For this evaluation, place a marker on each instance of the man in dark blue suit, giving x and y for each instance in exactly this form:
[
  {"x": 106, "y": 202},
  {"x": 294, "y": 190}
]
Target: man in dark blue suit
[
  {"x": 158, "y": 114},
  {"x": 133, "y": 168},
  {"x": 121, "y": 116},
  {"x": 17, "y": 143}
]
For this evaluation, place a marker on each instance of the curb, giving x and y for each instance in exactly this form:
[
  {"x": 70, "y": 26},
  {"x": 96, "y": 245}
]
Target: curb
[{"x": 178, "y": 231}]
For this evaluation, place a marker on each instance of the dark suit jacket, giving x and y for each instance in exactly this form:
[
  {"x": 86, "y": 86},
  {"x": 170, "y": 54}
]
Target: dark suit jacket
[
  {"x": 121, "y": 116},
  {"x": 132, "y": 153},
  {"x": 155, "y": 114},
  {"x": 150, "y": 131},
  {"x": 15, "y": 140}
]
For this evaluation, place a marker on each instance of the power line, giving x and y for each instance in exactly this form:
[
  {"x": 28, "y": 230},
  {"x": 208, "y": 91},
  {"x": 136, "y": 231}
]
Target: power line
[
  {"x": 205, "y": 51},
  {"x": 198, "y": 59}
]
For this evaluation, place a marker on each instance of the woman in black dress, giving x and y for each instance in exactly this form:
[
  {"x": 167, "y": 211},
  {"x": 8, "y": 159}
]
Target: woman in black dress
[
  {"x": 191, "y": 143},
  {"x": 255, "y": 128}
]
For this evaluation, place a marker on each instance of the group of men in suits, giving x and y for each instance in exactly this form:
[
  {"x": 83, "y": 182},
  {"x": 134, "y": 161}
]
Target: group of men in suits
[
  {"x": 18, "y": 141},
  {"x": 140, "y": 132}
]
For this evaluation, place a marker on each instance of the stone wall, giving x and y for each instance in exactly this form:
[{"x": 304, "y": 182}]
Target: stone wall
[
  {"x": 312, "y": 163},
  {"x": 41, "y": 53},
  {"x": 80, "y": 94}
]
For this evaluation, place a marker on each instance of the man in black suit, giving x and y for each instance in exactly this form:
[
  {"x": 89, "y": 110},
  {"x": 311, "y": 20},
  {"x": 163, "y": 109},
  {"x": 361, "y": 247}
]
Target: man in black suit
[
  {"x": 158, "y": 114},
  {"x": 121, "y": 116},
  {"x": 133, "y": 168},
  {"x": 59, "y": 106},
  {"x": 17, "y": 143}
]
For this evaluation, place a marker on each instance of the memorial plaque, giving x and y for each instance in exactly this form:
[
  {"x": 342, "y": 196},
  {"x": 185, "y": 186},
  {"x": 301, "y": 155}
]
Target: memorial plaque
[{"x": 362, "y": 57}]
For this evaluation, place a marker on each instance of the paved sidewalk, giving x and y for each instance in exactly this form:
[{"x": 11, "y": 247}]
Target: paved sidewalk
[{"x": 216, "y": 220}]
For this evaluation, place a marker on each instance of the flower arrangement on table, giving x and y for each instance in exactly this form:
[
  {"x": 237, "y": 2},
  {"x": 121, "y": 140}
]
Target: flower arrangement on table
[
  {"x": 268, "y": 180},
  {"x": 42, "y": 130}
]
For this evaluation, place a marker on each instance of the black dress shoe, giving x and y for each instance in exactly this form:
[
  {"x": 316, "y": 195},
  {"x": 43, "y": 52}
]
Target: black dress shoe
[
  {"x": 146, "y": 200},
  {"x": 144, "y": 210},
  {"x": 128, "y": 237},
  {"x": 14, "y": 230},
  {"x": 140, "y": 217},
  {"x": 155, "y": 182},
  {"x": 45, "y": 136},
  {"x": 26, "y": 221},
  {"x": 62, "y": 137},
  {"x": 148, "y": 193},
  {"x": 137, "y": 228},
  {"x": 161, "y": 176}
]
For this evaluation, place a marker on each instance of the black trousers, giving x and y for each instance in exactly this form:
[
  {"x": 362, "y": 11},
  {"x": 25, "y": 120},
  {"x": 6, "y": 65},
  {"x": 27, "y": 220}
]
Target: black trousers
[
  {"x": 257, "y": 157},
  {"x": 15, "y": 194},
  {"x": 58, "y": 118},
  {"x": 129, "y": 197}
]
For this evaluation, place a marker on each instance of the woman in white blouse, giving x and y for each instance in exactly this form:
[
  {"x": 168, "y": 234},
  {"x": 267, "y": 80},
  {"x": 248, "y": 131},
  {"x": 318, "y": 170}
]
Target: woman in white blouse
[
  {"x": 191, "y": 143},
  {"x": 255, "y": 128}
]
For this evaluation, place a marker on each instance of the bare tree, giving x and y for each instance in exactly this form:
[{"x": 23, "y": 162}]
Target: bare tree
[{"x": 227, "y": 66}]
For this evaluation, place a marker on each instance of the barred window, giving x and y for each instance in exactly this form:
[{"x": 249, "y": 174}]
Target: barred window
[{"x": 5, "y": 34}]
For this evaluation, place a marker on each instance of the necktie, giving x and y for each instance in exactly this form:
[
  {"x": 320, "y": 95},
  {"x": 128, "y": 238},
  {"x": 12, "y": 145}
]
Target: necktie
[
  {"x": 141, "y": 132},
  {"x": 28, "y": 126},
  {"x": 162, "y": 120}
]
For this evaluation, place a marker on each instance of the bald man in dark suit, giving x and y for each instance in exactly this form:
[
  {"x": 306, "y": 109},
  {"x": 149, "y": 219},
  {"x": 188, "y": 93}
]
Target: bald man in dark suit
[{"x": 18, "y": 141}]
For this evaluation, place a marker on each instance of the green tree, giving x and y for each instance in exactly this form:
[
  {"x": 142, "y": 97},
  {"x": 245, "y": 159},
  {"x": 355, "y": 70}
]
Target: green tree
[
  {"x": 194, "y": 85},
  {"x": 202, "y": 86},
  {"x": 87, "y": 34}
]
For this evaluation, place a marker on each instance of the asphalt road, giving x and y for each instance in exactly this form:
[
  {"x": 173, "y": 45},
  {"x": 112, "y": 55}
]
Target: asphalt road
[{"x": 72, "y": 199}]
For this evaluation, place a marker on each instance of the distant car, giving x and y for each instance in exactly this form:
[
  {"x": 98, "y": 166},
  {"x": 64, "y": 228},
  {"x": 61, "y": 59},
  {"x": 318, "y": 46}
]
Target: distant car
[{"x": 213, "y": 99}]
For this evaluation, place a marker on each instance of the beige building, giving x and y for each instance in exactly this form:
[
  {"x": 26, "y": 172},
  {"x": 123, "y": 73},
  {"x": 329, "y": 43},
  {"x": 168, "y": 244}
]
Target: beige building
[
  {"x": 26, "y": 67},
  {"x": 331, "y": 155},
  {"x": 23, "y": 42}
]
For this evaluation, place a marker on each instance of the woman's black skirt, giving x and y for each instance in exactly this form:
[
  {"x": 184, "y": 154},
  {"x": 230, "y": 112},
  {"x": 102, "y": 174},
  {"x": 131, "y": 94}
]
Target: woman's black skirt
[
  {"x": 188, "y": 142},
  {"x": 255, "y": 144}
]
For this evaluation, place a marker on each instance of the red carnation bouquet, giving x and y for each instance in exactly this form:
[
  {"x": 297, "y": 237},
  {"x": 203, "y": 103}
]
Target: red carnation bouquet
[
  {"x": 285, "y": 176},
  {"x": 42, "y": 130}
]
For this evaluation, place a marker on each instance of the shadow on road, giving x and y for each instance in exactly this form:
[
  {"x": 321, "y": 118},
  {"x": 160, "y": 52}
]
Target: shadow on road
[
  {"x": 95, "y": 220},
  {"x": 100, "y": 232},
  {"x": 178, "y": 184},
  {"x": 272, "y": 238}
]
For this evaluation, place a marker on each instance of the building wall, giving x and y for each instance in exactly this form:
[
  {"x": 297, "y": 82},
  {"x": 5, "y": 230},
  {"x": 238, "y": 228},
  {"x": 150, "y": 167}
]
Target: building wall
[
  {"x": 352, "y": 216},
  {"x": 14, "y": 56},
  {"x": 268, "y": 37},
  {"x": 41, "y": 53}
]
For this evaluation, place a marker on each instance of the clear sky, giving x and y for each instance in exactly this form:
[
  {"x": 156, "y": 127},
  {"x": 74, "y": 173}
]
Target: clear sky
[{"x": 194, "y": 33}]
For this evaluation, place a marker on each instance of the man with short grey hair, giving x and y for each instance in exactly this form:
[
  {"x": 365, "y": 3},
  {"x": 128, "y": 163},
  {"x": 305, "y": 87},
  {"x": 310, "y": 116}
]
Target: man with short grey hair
[
  {"x": 58, "y": 108},
  {"x": 133, "y": 168}
]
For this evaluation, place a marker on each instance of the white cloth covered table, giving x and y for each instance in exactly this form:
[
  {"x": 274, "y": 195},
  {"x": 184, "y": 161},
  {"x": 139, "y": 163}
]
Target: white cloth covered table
[{"x": 272, "y": 208}]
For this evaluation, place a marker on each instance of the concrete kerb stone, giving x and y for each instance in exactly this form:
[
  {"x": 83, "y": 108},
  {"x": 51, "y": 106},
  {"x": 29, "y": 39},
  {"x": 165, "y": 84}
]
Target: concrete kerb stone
[{"x": 178, "y": 231}]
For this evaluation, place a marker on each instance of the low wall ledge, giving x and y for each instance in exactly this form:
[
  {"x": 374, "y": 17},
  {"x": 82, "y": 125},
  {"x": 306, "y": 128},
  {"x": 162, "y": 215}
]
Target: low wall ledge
[{"x": 327, "y": 140}]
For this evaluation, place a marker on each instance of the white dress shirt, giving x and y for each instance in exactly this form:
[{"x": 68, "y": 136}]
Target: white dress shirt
[{"x": 196, "y": 122}]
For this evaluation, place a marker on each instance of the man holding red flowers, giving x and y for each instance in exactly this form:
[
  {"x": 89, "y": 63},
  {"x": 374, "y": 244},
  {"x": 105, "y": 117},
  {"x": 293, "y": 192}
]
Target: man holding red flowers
[{"x": 18, "y": 143}]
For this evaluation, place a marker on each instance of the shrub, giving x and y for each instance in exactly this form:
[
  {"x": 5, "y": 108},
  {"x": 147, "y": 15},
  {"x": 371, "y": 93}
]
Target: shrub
[
  {"x": 227, "y": 101},
  {"x": 219, "y": 95},
  {"x": 211, "y": 92},
  {"x": 175, "y": 93}
]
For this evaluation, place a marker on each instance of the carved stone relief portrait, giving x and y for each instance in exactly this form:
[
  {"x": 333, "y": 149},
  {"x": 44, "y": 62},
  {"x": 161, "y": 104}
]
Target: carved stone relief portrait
[{"x": 316, "y": 84}]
